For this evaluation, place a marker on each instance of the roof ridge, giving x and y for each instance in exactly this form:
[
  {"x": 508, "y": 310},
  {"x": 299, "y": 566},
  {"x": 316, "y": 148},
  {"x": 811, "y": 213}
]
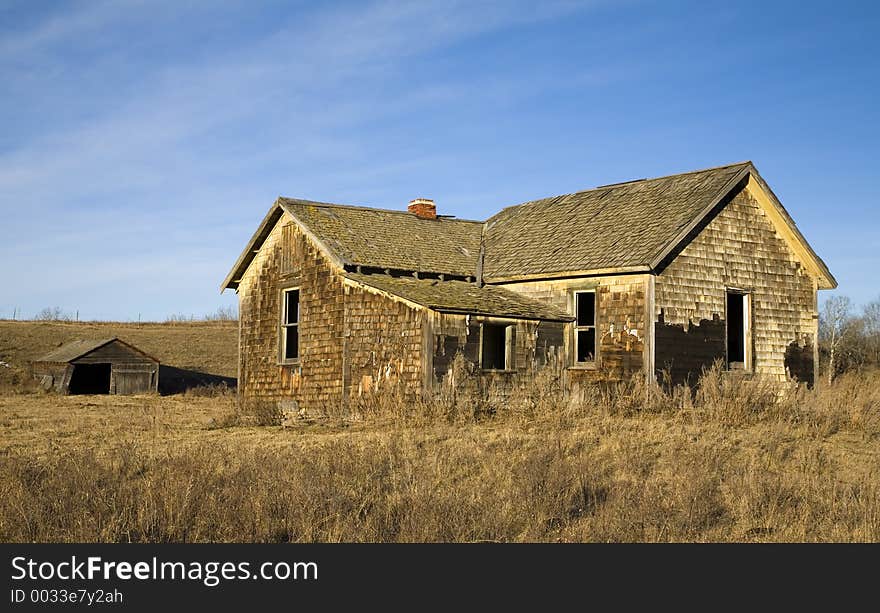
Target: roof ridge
[
  {"x": 677, "y": 174},
  {"x": 359, "y": 207},
  {"x": 610, "y": 185}
]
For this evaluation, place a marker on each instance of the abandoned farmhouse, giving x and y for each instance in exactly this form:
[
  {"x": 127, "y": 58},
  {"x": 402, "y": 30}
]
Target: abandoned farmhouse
[{"x": 661, "y": 275}]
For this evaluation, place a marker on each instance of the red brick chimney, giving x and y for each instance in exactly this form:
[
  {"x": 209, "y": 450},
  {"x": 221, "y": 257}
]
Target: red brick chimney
[{"x": 423, "y": 207}]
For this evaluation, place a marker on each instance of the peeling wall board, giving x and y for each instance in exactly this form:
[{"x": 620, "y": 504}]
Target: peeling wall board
[
  {"x": 383, "y": 343},
  {"x": 534, "y": 344},
  {"x": 621, "y": 326}
]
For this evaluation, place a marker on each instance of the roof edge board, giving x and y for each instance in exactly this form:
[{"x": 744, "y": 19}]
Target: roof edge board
[
  {"x": 785, "y": 225},
  {"x": 346, "y": 280},
  {"x": 452, "y": 311},
  {"x": 244, "y": 260},
  {"x": 688, "y": 228},
  {"x": 782, "y": 222}
]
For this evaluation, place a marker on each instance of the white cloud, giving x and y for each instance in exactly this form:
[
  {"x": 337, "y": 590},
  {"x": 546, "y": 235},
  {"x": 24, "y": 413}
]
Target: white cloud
[{"x": 192, "y": 138}]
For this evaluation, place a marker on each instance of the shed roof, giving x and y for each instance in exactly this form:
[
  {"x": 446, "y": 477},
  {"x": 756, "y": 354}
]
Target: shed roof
[
  {"x": 462, "y": 297},
  {"x": 76, "y": 349}
]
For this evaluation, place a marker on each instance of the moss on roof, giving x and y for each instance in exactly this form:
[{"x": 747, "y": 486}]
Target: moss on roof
[
  {"x": 462, "y": 297},
  {"x": 615, "y": 226},
  {"x": 391, "y": 239}
]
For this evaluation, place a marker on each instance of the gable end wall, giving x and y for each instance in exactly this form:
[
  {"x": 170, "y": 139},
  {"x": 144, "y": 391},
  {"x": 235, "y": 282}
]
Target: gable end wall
[
  {"x": 317, "y": 380},
  {"x": 740, "y": 249}
]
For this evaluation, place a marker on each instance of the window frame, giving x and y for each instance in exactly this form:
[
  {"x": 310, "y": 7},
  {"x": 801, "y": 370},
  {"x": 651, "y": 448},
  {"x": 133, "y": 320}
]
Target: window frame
[
  {"x": 748, "y": 363},
  {"x": 577, "y": 328},
  {"x": 284, "y": 326},
  {"x": 509, "y": 349}
]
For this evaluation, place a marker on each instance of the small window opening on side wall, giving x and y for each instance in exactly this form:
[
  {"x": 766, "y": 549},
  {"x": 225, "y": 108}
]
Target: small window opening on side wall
[
  {"x": 585, "y": 327},
  {"x": 290, "y": 325},
  {"x": 738, "y": 330},
  {"x": 496, "y": 347}
]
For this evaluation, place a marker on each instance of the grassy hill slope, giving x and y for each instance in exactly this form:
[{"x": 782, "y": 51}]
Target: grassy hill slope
[{"x": 205, "y": 347}]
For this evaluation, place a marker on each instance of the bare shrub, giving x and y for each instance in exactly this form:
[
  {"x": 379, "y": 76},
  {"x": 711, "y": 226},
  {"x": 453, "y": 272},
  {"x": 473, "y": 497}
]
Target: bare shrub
[
  {"x": 264, "y": 412},
  {"x": 223, "y": 313},
  {"x": 52, "y": 314},
  {"x": 210, "y": 390}
]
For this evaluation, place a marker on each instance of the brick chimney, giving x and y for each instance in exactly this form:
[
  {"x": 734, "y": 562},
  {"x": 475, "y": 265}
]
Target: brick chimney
[{"x": 423, "y": 207}]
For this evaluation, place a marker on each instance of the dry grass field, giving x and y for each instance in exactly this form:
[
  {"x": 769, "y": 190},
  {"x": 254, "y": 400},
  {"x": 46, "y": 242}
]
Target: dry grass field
[{"x": 731, "y": 462}]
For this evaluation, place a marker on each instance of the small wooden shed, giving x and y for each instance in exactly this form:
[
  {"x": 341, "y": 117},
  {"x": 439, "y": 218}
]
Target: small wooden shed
[{"x": 104, "y": 366}]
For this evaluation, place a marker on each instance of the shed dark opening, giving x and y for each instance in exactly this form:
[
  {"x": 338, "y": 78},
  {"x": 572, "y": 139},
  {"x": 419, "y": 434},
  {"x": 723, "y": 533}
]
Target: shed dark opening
[{"x": 90, "y": 379}]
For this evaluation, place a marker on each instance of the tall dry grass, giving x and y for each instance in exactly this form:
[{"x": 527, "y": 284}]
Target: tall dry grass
[{"x": 732, "y": 460}]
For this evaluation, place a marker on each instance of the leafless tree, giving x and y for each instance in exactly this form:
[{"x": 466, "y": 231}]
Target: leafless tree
[
  {"x": 51, "y": 314},
  {"x": 224, "y": 313},
  {"x": 835, "y": 323},
  {"x": 871, "y": 331}
]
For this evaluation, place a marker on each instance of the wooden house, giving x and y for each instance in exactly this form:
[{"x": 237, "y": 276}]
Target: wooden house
[
  {"x": 106, "y": 366},
  {"x": 649, "y": 276}
]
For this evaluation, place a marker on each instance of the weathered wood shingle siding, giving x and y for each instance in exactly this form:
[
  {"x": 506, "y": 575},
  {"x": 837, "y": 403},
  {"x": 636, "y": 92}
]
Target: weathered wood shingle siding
[
  {"x": 739, "y": 248},
  {"x": 317, "y": 379},
  {"x": 621, "y": 327},
  {"x": 534, "y": 343},
  {"x": 383, "y": 345}
]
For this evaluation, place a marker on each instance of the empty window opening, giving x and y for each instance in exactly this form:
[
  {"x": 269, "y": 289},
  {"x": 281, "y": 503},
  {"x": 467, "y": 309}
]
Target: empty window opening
[
  {"x": 496, "y": 347},
  {"x": 737, "y": 330},
  {"x": 90, "y": 379},
  {"x": 585, "y": 326},
  {"x": 290, "y": 326}
]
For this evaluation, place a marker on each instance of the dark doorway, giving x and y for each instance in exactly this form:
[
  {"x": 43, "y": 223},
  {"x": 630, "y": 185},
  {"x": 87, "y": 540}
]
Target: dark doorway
[
  {"x": 90, "y": 379},
  {"x": 736, "y": 329}
]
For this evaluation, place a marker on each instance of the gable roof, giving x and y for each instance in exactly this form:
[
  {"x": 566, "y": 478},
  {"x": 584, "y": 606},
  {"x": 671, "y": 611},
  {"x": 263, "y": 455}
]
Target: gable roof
[
  {"x": 618, "y": 228},
  {"x": 625, "y": 227},
  {"x": 374, "y": 238},
  {"x": 76, "y": 349},
  {"x": 380, "y": 238},
  {"x": 462, "y": 297}
]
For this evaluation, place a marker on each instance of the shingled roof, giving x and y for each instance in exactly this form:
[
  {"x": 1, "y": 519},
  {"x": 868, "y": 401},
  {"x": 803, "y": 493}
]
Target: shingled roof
[
  {"x": 625, "y": 225},
  {"x": 462, "y": 297},
  {"x": 74, "y": 350},
  {"x": 399, "y": 240}
]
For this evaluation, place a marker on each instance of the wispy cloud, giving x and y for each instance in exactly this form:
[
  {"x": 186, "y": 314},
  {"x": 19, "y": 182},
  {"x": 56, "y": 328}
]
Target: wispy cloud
[{"x": 193, "y": 136}]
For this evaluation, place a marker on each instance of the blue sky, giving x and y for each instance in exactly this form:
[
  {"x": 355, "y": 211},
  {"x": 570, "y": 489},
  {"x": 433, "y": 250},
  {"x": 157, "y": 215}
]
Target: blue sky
[{"x": 142, "y": 142}]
